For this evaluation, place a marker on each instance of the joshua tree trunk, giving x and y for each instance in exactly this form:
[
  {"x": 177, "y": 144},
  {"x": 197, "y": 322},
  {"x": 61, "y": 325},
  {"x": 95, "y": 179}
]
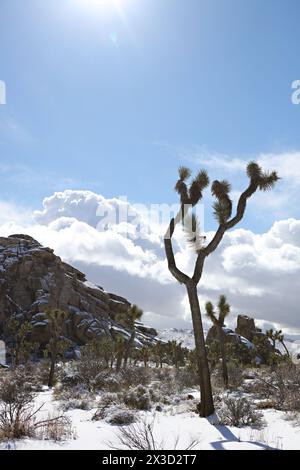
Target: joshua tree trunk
[
  {"x": 51, "y": 372},
  {"x": 206, "y": 405},
  {"x": 223, "y": 356},
  {"x": 285, "y": 348},
  {"x": 119, "y": 360},
  {"x": 129, "y": 348}
]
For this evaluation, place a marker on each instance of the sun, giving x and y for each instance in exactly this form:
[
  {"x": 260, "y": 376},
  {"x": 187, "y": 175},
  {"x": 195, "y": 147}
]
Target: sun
[{"x": 102, "y": 3}]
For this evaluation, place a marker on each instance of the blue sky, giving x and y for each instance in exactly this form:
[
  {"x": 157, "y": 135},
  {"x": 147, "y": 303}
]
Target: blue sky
[{"x": 113, "y": 101}]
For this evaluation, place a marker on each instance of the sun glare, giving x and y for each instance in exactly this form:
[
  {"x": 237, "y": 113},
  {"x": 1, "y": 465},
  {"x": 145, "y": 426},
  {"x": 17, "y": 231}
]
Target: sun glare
[{"x": 102, "y": 3}]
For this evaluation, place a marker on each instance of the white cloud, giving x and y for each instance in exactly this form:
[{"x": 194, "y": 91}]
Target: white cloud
[{"x": 259, "y": 273}]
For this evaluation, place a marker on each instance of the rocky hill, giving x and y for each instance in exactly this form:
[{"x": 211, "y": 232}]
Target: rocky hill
[{"x": 33, "y": 278}]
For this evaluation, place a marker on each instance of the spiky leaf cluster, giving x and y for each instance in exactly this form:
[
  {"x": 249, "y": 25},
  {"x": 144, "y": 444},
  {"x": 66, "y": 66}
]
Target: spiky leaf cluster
[
  {"x": 191, "y": 193},
  {"x": 223, "y": 206},
  {"x": 265, "y": 181},
  {"x": 223, "y": 310}
]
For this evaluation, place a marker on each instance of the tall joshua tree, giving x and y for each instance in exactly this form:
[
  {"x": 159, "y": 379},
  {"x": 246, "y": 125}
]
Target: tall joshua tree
[
  {"x": 190, "y": 194},
  {"x": 129, "y": 319},
  {"x": 218, "y": 322}
]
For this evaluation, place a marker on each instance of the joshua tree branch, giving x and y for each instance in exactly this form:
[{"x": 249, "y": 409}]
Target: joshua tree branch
[
  {"x": 198, "y": 268},
  {"x": 241, "y": 207},
  {"x": 179, "y": 275}
]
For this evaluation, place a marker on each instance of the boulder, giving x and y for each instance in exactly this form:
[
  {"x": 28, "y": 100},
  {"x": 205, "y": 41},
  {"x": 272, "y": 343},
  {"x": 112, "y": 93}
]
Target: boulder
[
  {"x": 33, "y": 278},
  {"x": 246, "y": 327}
]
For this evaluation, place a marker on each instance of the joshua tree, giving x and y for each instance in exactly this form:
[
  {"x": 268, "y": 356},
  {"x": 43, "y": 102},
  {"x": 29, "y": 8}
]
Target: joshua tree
[
  {"x": 159, "y": 352},
  {"x": 20, "y": 345},
  {"x": 218, "y": 322},
  {"x": 176, "y": 352},
  {"x": 270, "y": 334},
  {"x": 279, "y": 336},
  {"x": 128, "y": 319},
  {"x": 120, "y": 348},
  {"x": 145, "y": 354},
  {"x": 190, "y": 195},
  {"x": 57, "y": 345}
]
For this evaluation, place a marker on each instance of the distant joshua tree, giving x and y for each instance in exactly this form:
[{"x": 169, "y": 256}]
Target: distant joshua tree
[
  {"x": 218, "y": 322},
  {"x": 277, "y": 336},
  {"x": 58, "y": 344},
  {"x": 129, "y": 319},
  {"x": 190, "y": 195}
]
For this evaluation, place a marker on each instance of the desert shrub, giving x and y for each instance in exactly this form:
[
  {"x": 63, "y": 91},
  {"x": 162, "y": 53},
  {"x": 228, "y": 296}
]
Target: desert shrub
[
  {"x": 70, "y": 377},
  {"x": 282, "y": 386},
  {"x": 235, "y": 376},
  {"x": 266, "y": 404},
  {"x": 108, "y": 380},
  {"x": 133, "y": 376},
  {"x": 186, "y": 378},
  {"x": 73, "y": 398},
  {"x": 121, "y": 417},
  {"x": 141, "y": 436},
  {"x": 107, "y": 401},
  {"x": 292, "y": 400},
  {"x": 18, "y": 415},
  {"x": 138, "y": 398},
  {"x": 239, "y": 412},
  {"x": 55, "y": 428},
  {"x": 16, "y": 397}
]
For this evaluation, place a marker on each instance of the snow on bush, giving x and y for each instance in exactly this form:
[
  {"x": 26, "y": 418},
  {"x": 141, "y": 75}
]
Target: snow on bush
[
  {"x": 107, "y": 402},
  {"x": 239, "y": 412},
  {"x": 138, "y": 398},
  {"x": 121, "y": 417}
]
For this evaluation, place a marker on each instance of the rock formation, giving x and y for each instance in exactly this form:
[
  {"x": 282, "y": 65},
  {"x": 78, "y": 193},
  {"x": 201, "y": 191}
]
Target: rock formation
[
  {"x": 244, "y": 334},
  {"x": 33, "y": 278},
  {"x": 246, "y": 327}
]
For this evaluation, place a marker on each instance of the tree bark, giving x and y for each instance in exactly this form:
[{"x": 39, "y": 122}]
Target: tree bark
[
  {"x": 206, "y": 405},
  {"x": 51, "y": 372},
  {"x": 223, "y": 356},
  {"x": 285, "y": 348},
  {"x": 128, "y": 348}
]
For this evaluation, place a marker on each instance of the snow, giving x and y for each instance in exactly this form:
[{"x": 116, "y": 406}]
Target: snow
[
  {"x": 90, "y": 285},
  {"x": 186, "y": 337},
  {"x": 175, "y": 423}
]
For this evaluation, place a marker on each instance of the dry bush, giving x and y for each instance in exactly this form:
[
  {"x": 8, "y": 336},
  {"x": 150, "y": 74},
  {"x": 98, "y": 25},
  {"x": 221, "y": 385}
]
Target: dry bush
[
  {"x": 266, "y": 405},
  {"x": 140, "y": 436},
  {"x": 16, "y": 413},
  {"x": 138, "y": 398},
  {"x": 120, "y": 417},
  {"x": 282, "y": 386},
  {"x": 108, "y": 380},
  {"x": 186, "y": 378},
  {"x": 133, "y": 376},
  {"x": 18, "y": 416},
  {"x": 235, "y": 376},
  {"x": 107, "y": 401},
  {"x": 74, "y": 398},
  {"x": 239, "y": 412},
  {"x": 55, "y": 428}
]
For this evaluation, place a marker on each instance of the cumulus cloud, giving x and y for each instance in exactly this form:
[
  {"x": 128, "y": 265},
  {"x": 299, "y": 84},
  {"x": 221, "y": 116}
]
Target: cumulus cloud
[{"x": 259, "y": 273}]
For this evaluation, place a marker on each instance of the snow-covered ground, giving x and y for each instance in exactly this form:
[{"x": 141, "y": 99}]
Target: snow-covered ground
[{"x": 174, "y": 424}]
